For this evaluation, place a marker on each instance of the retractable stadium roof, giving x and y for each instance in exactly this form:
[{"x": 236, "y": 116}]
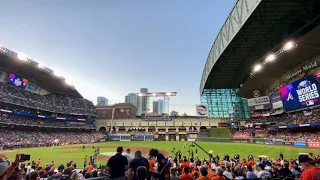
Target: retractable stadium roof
[{"x": 253, "y": 29}]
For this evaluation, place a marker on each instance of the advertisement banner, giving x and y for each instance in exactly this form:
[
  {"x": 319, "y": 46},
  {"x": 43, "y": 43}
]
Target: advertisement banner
[
  {"x": 260, "y": 107},
  {"x": 169, "y": 123},
  {"x": 288, "y": 143},
  {"x": 202, "y": 110},
  {"x": 301, "y": 93},
  {"x": 119, "y": 123},
  {"x": 161, "y": 123},
  {"x": 152, "y": 123},
  {"x": 300, "y": 144},
  {"x": 187, "y": 124},
  {"x": 277, "y": 105},
  {"x": 269, "y": 142},
  {"x": 258, "y": 101},
  {"x": 144, "y": 124},
  {"x": 259, "y": 142},
  {"x": 279, "y": 143},
  {"x": 178, "y": 123},
  {"x": 127, "y": 124},
  {"x": 314, "y": 145},
  {"x": 135, "y": 124}
]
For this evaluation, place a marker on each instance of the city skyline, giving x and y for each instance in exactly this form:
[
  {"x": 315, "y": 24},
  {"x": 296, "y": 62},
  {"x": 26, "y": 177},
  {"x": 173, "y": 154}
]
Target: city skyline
[{"x": 159, "y": 45}]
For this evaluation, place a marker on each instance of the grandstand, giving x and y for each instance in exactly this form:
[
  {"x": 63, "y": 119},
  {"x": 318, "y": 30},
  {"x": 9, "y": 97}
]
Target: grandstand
[{"x": 35, "y": 104}]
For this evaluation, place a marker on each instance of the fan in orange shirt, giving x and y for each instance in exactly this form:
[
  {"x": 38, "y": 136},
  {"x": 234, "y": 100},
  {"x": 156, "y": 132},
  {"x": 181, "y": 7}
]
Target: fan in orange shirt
[
  {"x": 90, "y": 168},
  {"x": 186, "y": 175},
  {"x": 311, "y": 171},
  {"x": 251, "y": 163},
  {"x": 219, "y": 175},
  {"x": 204, "y": 174},
  {"x": 185, "y": 164}
]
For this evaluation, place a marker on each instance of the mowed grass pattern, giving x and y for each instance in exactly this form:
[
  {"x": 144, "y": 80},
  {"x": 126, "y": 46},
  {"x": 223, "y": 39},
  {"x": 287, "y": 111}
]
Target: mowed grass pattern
[{"x": 63, "y": 154}]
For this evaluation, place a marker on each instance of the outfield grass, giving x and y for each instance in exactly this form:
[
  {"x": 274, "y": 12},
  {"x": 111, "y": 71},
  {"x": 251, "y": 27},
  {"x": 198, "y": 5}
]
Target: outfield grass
[{"x": 67, "y": 153}]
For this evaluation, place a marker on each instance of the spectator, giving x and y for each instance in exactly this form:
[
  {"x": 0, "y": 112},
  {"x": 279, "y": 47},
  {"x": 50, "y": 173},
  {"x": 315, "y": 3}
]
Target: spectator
[
  {"x": 117, "y": 165},
  {"x": 204, "y": 173},
  {"x": 186, "y": 175},
  {"x": 310, "y": 171},
  {"x": 138, "y": 161},
  {"x": 219, "y": 175},
  {"x": 141, "y": 173},
  {"x": 250, "y": 174},
  {"x": 174, "y": 174}
]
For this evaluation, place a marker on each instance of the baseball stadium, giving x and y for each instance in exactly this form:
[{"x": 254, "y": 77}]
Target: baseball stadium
[{"x": 259, "y": 102}]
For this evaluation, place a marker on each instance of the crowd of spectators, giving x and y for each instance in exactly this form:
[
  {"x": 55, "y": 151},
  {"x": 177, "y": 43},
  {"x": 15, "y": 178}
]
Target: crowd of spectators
[
  {"x": 41, "y": 122},
  {"x": 242, "y": 133},
  {"x": 20, "y": 138},
  {"x": 297, "y": 136},
  {"x": 300, "y": 117},
  {"x": 56, "y": 103}
]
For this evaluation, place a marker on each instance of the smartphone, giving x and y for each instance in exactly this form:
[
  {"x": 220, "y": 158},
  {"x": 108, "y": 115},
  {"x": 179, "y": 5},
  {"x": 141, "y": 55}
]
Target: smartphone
[{"x": 25, "y": 157}]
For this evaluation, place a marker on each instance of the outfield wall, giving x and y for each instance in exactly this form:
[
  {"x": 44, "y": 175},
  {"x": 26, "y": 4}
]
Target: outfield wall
[{"x": 193, "y": 137}]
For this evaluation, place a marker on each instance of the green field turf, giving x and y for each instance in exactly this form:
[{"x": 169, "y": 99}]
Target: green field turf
[{"x": 67, "y": 153}]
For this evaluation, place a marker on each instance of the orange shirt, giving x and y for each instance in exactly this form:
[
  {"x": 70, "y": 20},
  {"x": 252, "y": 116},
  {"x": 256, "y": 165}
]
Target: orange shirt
[
  {"x": 39, "y": 162},
  {"x": 311, "y": 174},
  {"x": 186, "y": 177},
  {"x": 251, "y": 163},
  {"x": 151, "y": 165},
  {"x": 184, "y": 165},
  {"x": 204, "y": 178},
  {"x": 218, "y": 178},
  {"x": 90, "y": 168}
]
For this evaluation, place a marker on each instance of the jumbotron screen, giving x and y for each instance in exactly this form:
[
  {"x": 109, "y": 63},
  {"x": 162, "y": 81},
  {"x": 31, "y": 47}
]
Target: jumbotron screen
[
  {"x": 17, "y": 81},
  {"x": 301, "y": 93}
]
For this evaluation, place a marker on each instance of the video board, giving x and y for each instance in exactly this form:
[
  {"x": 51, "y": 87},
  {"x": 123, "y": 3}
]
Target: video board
[
  {"x": 17, "y": 81},
  {"x": 301, "y": 93}
]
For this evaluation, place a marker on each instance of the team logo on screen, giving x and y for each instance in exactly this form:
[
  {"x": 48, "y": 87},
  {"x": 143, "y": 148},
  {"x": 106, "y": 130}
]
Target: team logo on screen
[{"x": 307, "y": 92}]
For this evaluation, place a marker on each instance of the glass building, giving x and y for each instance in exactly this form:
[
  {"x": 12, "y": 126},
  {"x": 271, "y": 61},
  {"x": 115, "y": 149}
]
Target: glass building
[{"x": 223, "y": 102}]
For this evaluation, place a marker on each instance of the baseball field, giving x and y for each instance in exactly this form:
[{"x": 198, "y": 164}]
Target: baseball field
[{"x": 75, "y": 153}]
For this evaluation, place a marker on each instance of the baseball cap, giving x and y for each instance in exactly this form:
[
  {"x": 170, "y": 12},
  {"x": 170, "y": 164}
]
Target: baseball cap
[
  {"x": 3, "y": 166},
  {"x": 305, "y": 158},
  {"x": 67, "y": 171}
]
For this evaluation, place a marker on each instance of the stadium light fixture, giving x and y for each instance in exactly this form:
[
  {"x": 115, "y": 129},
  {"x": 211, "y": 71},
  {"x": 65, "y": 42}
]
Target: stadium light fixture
[
  {"x": 140, "y": 94},
  {"x": 289, "y": 45},
  {"x": 270, "y": 58},
  {"x": 154, "y": 94},
  {"x": 21, "y": 56},
  {"x": 168, "y": 93},
  {"x": 257, "y": 68}
]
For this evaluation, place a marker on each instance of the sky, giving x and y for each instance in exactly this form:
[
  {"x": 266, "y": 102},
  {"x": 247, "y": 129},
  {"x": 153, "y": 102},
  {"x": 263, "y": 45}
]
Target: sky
[{"x": 114, "y": 47}]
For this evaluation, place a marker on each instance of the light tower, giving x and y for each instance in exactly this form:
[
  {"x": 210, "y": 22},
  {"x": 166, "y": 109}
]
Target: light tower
[{"x": 165, "y": 95}]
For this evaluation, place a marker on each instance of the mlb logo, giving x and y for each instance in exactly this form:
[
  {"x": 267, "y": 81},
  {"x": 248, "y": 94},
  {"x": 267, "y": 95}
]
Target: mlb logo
[{"x": 310, "y": 103}]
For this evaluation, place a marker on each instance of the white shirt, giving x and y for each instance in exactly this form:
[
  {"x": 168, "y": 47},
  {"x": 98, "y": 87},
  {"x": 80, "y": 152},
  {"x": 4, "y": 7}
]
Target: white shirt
[
  {"x": 263, "y": 174},
  {"x": 227, "y": 174}
]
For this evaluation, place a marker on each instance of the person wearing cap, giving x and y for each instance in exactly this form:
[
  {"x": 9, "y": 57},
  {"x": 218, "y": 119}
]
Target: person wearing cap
[
  {"x": 117, "y": 165},
  {"x": 66, "y": 174},
  {"x": 310, "y": 170},
  {"x": 6, "y": 170}
]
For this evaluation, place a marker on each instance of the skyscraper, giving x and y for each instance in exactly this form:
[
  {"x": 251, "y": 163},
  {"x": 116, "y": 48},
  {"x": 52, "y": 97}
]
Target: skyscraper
[
  {"x": 101, "y": 101},
  {"x": 160, "y": 106},
  {"x": 142, "y": 101},
  {"x": 155, "y": 106},
  {"x": 132, "y": 98}
]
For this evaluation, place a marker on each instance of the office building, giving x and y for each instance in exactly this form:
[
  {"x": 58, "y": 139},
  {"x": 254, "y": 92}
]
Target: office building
[
  {"x": 132, "y": 98},
  {"x": 142, "y": 102},
  {"x": 155, "y": 106},
  {"x": 101, "y": 101},
  {"x": 160, "y": 106}
]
